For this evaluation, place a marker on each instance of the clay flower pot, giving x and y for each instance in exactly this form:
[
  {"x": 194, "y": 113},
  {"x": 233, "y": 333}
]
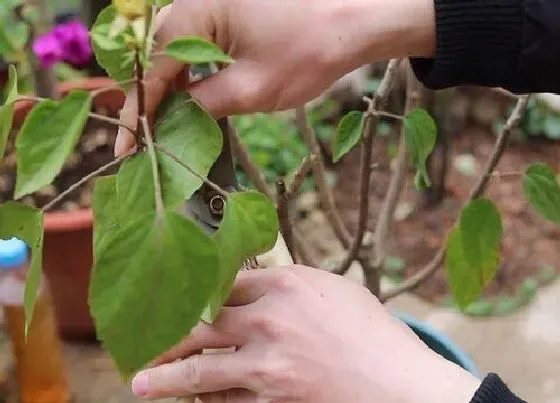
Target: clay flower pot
[{"x": 68, "y": 243}]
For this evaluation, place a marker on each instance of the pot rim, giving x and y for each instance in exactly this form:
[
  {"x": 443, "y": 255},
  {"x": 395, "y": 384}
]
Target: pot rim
[{"x": 60, "y": 221}]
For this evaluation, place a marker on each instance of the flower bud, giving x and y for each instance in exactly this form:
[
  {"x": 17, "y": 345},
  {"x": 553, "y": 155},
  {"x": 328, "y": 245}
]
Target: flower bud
[{"x": 131, "y": 9}]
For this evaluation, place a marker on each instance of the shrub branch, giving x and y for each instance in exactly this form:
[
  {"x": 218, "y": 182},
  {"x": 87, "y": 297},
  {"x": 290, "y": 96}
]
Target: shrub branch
[
  {"x": 366, "y": 166},
  {"x": 477, "y": 191}
]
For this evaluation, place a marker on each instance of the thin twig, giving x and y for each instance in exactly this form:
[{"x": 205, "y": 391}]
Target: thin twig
[
  {"x": 477, "y": 191},
  {"x": 320, "y": 178},
  {"x": 110, "y": 120},
  {"x": 388, "y": 115},
  {"x": 85, "y": 179},
  {"x": 505, "y": 175},
  {"x": 282, "y": 207},
  {"x": 192, "y": 171},
  {"x": 300, "y": 175},
  {"x": 398, "y": 179},
  {"x": 141, "y": 97},
  {"x": 247, "y": 163},
  {"x": 153, "y": 158},
  {"x": 366, "y": 166}
]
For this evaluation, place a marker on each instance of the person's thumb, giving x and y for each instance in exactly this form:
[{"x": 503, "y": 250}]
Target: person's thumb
[{"x": 238, "y": 89}]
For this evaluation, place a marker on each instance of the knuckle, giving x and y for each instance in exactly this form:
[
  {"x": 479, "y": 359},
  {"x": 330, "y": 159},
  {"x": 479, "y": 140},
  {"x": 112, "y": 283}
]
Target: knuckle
[
  {"x": 286, "y": 280},
  {"x": 267, "y": 327},
  {"x": 276, "y": 373}
]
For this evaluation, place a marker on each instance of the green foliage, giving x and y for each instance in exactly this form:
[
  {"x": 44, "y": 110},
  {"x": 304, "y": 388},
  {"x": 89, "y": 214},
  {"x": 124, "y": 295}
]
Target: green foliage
[
  {"x": 196, "y": 50},
  {"x": 249, "y": 228},
  {"x": 7, "y": 109},
  {"x": 420, "y": 135},
  {"x": 105, "y": 207},
  {"x": 187, "y": 130},
  {"x": 64, "y": 122},
  {"x": 348, "y": 134},
  {"x": 467, "y": 281},
  {"x": 273, "y": 143},
  {"x": 112, "y": 53},
  {"x": 13, "y": 33},
  {"x": 135, "y": 187},
  {"x": 473, "y": 251},
  {"x": 151, "y": 282},
  {"x": 543, "y": 191},
  {"x": 25, "y": 223},
  {"x": 481, "y": 231},
  {"x": 539, "y": 120}
]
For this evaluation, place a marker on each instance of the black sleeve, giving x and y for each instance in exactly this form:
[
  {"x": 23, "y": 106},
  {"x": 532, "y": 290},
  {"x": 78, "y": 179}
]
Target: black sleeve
[
  {"x": 494, "y": 390},
  {"x": 513, "y": 44}
]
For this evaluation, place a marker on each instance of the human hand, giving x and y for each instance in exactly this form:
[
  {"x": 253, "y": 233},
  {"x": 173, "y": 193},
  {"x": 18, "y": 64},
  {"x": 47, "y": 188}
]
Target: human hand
[
  {"x": 287, "y": 52},
  {"x": 304, "y": 335}
]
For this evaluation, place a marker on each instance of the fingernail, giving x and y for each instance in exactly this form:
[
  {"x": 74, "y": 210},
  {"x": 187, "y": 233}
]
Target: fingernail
[{"x": 140, "y": 384}]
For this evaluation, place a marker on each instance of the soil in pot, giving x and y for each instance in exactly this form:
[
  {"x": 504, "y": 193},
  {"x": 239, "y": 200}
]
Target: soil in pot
[{"x": 68, "y": 255}]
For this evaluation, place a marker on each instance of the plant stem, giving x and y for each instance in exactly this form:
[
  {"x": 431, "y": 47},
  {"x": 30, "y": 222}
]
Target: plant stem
[
  {"x": 155, "y": 169},
  {"x": 141, "y": 96},
  {"x": 320, "y": 178},
  {"x": 300, "y": 175},
  {"x": 192, "y": 171},
  {"x": 366, "y": 166},
  {"x": 478, "y": 190},
  {"x": 112, "y": 121},
  {"x": 85, "y": 179},
  {"x": 282, "y": 207},
  {"x": 247, "y": 163},
  {"x": 388, "y": 115},
  {"x": 398, "y": 179}
]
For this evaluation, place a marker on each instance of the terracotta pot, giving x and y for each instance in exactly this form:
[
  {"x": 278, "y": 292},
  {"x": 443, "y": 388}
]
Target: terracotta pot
[{"x": 68, "y": 249}]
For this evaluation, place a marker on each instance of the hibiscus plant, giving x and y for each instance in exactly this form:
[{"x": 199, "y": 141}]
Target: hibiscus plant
[{"x": 157, "y": 273}]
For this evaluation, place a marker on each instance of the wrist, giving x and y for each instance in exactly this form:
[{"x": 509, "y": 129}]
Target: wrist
[{"x": 364, "y": 31}]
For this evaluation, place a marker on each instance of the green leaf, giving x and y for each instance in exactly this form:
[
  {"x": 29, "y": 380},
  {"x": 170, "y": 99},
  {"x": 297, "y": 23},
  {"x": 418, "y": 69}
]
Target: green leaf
[
  {"x": 25, "y": 223},
  {"x": 7, "y": 110},
  {"x": 161, "y": 3},
  {"x": 480, "y": 308},
  {"x": 105, "y": 207},
  {"x": 420, "y": 135},
  {"x": 542, "y": 190},
  {"x": 190, "y": 133},
  {"x": 47, "y": 138},
  {"x": 348, "y": 134},
  {"x": 481, "y": 231},
  {"x": 419, "y": 182},
  {"x": 135, "y": 188},
  {"x": 249, "y": 228},
  {"x": 151, "y": 282},
  {"x": 196, "y": 50},
  {"x": 507, "y": 305},
  {"x": 467, "y": 282},
  {"x": 13, "y": 35},
  {"x": 109, "y": 52}
]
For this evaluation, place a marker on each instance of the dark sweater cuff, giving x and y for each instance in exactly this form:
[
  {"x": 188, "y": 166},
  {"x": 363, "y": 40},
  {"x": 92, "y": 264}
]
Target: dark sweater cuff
[
  {"x": 478, "y": 42},
  {"x": 494, "y": 390}
]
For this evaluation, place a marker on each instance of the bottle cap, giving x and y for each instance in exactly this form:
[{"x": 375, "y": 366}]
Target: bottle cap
[{"x": 13, "y": 253}]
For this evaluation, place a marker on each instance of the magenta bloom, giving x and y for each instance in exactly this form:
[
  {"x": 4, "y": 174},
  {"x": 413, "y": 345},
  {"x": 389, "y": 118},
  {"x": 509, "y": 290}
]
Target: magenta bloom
[
  {"x": 74, "y": 41},
  {"x": 48, "y": 50}
]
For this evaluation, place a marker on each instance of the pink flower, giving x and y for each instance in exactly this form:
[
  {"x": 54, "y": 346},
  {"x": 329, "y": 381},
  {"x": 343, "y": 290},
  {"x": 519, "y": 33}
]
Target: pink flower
[
  {"x": 48, "y": 50},
  {"x": 74, "y": 40}
]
